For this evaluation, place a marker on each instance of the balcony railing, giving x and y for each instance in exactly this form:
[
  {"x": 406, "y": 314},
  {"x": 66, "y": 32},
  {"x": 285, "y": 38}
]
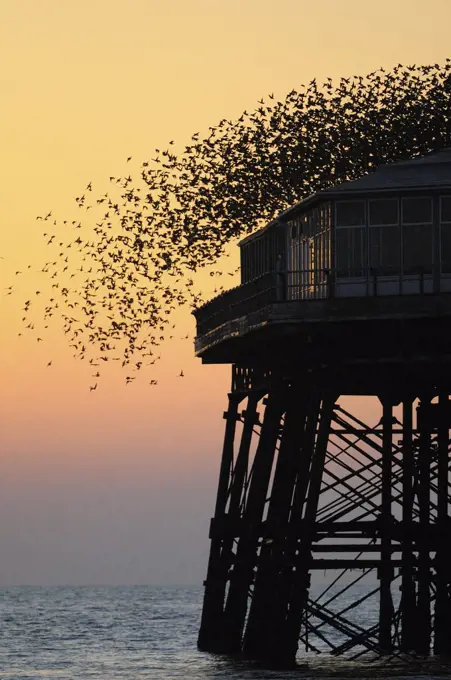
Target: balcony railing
[
  {"x": 261, "y": 291},
  {"x": 307, "y": 284}
]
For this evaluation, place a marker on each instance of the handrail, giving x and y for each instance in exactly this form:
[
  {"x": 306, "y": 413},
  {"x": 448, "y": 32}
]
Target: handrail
[{"x": 303, "y": 284}]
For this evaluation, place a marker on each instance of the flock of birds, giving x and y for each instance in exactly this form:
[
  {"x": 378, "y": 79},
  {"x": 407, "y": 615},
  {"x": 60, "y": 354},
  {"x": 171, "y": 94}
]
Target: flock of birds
[{"x": 116, "y": 280}]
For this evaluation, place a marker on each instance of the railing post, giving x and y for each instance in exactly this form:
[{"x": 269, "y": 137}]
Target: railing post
[
  {"x": 281, "y": 279},
  {"x": 281, "y": 286},
  {"x": 422, "y": 281},
  {"x": 329, "y": 283}
]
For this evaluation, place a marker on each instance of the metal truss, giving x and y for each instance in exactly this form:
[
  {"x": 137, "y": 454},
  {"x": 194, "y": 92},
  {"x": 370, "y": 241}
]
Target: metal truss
[{"x": 305, "y": 486}]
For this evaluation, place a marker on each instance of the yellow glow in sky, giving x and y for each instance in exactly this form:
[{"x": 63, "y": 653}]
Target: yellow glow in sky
[{"x": 84, "y": 85}]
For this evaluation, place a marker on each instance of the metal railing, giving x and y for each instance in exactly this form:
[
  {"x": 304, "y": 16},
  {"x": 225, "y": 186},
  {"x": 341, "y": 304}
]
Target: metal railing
[
  {"x": 261, "y": 291},
  {"x": 307, "y": 284}
]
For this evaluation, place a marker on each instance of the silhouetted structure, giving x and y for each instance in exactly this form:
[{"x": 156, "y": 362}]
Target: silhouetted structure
[{"x": 346, "y": 293}]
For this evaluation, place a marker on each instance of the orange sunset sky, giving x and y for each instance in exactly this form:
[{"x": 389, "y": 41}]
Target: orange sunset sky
[{"x": 117, "y": 485}]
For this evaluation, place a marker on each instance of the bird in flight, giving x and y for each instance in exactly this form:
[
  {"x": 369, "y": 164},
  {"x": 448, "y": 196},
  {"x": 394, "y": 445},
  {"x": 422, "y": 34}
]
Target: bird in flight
[
  {"x": 163, "y": 222},
  {"x": 92, "y": 388},
  {"x": 181, "y": 374}
]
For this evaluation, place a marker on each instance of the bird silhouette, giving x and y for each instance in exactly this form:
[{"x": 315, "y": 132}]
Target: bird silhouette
[{"x": 142, "y": 244}]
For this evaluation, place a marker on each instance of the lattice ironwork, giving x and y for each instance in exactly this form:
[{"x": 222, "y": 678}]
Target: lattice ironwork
[{"x": 306, "y": 486}]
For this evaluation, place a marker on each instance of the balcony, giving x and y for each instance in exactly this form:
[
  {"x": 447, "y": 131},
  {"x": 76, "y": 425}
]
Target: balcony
[{"x": 312, "y": 296}]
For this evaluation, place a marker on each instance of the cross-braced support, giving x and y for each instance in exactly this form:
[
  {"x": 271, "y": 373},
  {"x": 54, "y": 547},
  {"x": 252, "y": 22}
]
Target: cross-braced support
[{"x": 307, "y": 486}]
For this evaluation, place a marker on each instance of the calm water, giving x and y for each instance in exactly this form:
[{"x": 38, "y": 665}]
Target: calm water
[{"x": 140, "y": 633}]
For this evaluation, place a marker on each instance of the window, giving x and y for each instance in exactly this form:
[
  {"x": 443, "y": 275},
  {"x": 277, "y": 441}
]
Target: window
[
  {"x": 418, "y": 253},
  {"x": 417, "y": 210},
  {"x": 445, "y": 234},
  {"x": 445, "y": 209},
  {"x": 385, "y": 236},
  {"x": 351, "y": 259},
  {"x": 417, "y": 235},
  {"x": 351, "y": 239},
  {"x": 385, "y": 250},
  {"x": 350, "y": 213},
  {"x": 445, "y": 248},
  {"x": 383, "y": 212}
]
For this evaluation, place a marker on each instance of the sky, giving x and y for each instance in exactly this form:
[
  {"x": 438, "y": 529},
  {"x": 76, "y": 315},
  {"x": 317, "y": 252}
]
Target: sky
[{"x": 117, "y": 485}]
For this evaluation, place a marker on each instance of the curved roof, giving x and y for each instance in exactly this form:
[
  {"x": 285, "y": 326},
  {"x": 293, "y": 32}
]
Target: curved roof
[{"x": 432, "y": 170}]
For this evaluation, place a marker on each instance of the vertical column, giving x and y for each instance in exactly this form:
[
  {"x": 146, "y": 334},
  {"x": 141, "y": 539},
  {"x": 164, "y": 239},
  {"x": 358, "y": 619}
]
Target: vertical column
[
  {"x": 288, "y": 578},
  {"x": 211, "y": 627},
  {"x": 424, "y": 572},
  {"x": 442, "y": 637},
  {"x": 302, "y": 562},
  {"x": 385, "y": 571},
  {"x": 267, "y": 610},
  {"x": 408, "y": 595},
  {"x": 250, "y": 419},
  {"x": 242, "y": 575}
]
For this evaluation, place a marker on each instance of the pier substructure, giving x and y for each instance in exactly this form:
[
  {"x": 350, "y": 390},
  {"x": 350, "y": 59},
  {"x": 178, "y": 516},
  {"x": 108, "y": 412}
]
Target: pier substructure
[{"x": 307, "y": 487}]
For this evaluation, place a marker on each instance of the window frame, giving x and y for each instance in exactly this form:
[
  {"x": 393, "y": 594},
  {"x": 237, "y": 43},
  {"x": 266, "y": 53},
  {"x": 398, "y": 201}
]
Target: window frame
[
  {"x": 364, "y": 227},
  {"x": 417, "y": 198},
  {"x": 391, "y": 225},
  {"x": 423, "y": 223},
  {"x": 442, "y": 223},
  {"x": 440, "y": 210},
  {"x": 380, "y": 200},
  {"x": 351, "y": 226}
]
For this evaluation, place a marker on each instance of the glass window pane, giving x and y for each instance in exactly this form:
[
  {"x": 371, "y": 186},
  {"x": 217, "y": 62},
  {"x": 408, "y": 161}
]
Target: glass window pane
[
  {"x": 446, "y": 209},
  {"x": 350, "y": 213},
  {"x": 375, "y": 248},
  {"x": 384, "y": 211},
  {"x": 417, "y": 249},
  {"x": 358, "y": 253},
  {"x": 342, "y": 247},
  {"x": 445, "y": 248},
  {"x": 313, "y": 223},
  {"x": 385, "y": 250},
  {"x": 391, "y": 250},
  {"x": 416, "y": 210},
  {"x": 351, "y": 257}
]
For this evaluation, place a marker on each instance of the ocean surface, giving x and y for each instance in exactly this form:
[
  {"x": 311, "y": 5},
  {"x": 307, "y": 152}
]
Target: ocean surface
[{"x": 142, "y": 633}]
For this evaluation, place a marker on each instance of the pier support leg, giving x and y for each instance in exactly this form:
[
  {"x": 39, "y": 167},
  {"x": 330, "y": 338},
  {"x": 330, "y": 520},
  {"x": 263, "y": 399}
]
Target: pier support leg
[
  {"x": 423, "y": 641},
  {"x": 302, "y": 560},
  {"x": 242, "y": 576},
  {"x": 408, "y": 594},
  {"x": 211, "y": 633},
  {"x": 386, "y": 570},
  {"x": 326, "y": 491},
  {"x": 267, "y": 611},
  {"x": 442, "y": 618}
]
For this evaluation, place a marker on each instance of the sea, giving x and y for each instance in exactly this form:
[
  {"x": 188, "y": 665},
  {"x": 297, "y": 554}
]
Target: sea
[{"x": 144, "y": 633}]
